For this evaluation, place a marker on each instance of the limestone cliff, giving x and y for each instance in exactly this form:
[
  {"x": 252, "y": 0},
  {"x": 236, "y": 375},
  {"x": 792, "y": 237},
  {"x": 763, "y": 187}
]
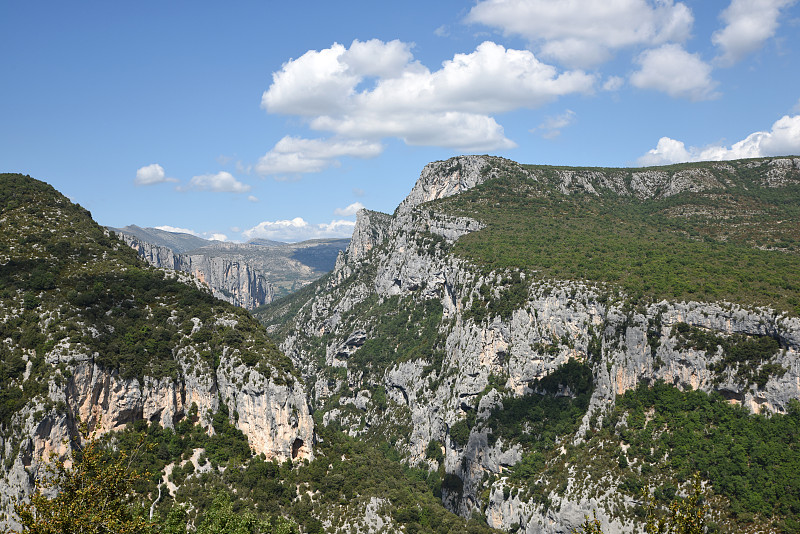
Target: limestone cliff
[
  {"x": 273, "y": 416},
  {"x": 89, "y": 332},
  {"x": 248, "y": 275},
  {"x": 228, "y": 279},
  {"x": 406, "y": 258}
]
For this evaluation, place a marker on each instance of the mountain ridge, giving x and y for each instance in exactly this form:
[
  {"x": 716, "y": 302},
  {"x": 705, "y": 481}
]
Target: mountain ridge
[
  {"x": 245, "y": 274},
  {"x": 506, "y": 333},
  {"x": 486, "y": 326}
]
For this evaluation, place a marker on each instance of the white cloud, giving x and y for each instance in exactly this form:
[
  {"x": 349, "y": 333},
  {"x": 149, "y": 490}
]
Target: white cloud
[
  {"x": 585, "y": 33},
  {"x": 461, "y": 131},
  {"x": 376, "y": 90},
  {"x": 177, "y": 230},
  {"x": 350, "y": 210},
  {"x": 222, "y": 182},
  {"x": 252, "y": 198},
  {"x": 552, "y": 126},
  {"x": 748, "y": 24},
  {"x": 675, "y": 71},
  {"x": 376, "y": 58},
  {"x": 296, "y": 155},
  {"x": 491, "y": 79},
  {"x": 298, "y": 229},
  {"x": 613, "y": 83},
  {"x": 783, "y": 139},
  {"x": 441, "y": 31},
  {"x": 151, "y": 175},
  {"x": 213, "y": 236},
  {"x": 242, "y": 169}
]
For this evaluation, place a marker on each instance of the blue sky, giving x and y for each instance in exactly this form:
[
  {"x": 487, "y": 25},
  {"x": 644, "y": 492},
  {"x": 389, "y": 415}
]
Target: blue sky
[{"x": 279, "y": 119}]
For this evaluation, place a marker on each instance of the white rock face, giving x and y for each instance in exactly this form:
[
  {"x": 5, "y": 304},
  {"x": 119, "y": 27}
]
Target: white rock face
[
  {"x": 554, "y": 325},
  {"x": 442, "y": 179},
  {"x": 231, "y": 280},
  {"x": 272, "y": 414}
]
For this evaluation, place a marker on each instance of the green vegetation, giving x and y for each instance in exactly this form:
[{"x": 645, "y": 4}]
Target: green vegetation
[
  {"x": 102, "y": 490},
  {"x": 658, "y": 437},
  {"x": 402, "y": 329},
  {"x": 222, "y": 519},
  {"x": 351, "y": 470},
  {"x": 278, "y": 313},
  {"x": 346, "y": 475},
  {"x": 687, "y": 515},
  {"x": 750, "y": 459},
  {"x": 93, "y": 496},
  {"x": 737, "y": 242},
  {"x": 513, "y": 293},
  {"x": 68, "y": 285},
  {"x": 554, "y": 411},
  {"x": 541, "y": 422},
  {"x": 749, "y": 357}
]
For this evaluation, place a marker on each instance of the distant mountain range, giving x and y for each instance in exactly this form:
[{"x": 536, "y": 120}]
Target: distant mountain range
[{"x": 245, "y": 274}]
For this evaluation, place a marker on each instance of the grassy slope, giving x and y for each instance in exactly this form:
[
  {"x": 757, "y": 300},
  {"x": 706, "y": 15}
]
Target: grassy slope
[{"x": 739, "y": 242}]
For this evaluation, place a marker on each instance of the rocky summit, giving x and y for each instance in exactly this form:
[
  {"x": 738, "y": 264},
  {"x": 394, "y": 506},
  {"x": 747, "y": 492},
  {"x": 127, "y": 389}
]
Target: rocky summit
[{"x": 516, "y": 348}]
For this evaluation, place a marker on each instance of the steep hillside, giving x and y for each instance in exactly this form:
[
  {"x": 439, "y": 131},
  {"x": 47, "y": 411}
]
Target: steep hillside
[
  {"x": 209, "y": 411},
  {"x": 247, "y": 275},
  {"x": 88, "y": 331},
  {"x": 502, "y": 327}
]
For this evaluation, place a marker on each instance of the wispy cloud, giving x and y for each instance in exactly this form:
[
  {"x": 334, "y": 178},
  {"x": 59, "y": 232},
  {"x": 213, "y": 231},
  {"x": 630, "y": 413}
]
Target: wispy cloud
[
  {"x": 613, "y": 83},
  {"x": 748, "y": 25},
  {"x": 221, "y": 182},
  {"x": 552, "y": 126},
  {"x": 213, "y": 236},
  {"x": 292, "y": 155},
  {"x": 177, "y": 230}
]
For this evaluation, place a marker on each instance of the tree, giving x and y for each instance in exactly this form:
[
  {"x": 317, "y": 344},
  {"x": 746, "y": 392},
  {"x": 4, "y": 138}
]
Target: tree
[
  {"x": 685, "y": 516},
  {"x": 221, "y": 519},
  {"x": 590, "y": 526},
  {"x": 92, "y": 495}
]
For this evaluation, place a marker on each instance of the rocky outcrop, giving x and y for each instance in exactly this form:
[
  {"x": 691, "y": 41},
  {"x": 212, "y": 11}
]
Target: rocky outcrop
[
  {"x": 245, "y": 274},
  {"x": 229, "y": 279},
  {"x": 559, "y": 321},
  {"x": 271, "y": 409},
  {"x": 369, "y": 231},
  {"x": 442, "y": 179}
]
